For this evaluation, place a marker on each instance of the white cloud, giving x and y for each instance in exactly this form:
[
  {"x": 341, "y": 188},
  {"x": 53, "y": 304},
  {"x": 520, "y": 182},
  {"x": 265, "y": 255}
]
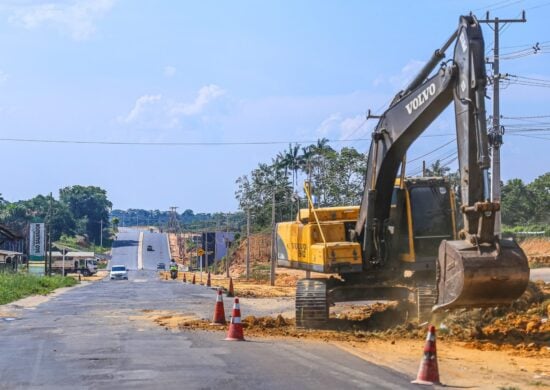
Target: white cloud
[
  {"x": 205, "y": 95},
  {"x": 3, "y": 77},
  {"x": 335, "y": 126},
  {"x": 169, "y": 71},
  {"x": 76, "y": 17},
  {"x": 328, "y": 125},
  {"x": 157, "y": 111},
  {"x": 400, "y": 80},
  {"x": 408, "y": 72},
  {"x": 353, "y": 127},
  {"x": 142, "y": 105}
]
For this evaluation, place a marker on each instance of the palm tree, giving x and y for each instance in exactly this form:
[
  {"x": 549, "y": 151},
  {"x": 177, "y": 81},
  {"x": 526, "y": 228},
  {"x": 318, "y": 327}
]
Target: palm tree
[{"x": 294, "y": 161}]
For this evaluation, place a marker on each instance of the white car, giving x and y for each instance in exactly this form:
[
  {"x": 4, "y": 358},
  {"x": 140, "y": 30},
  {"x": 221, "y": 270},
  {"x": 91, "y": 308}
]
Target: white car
[{"x": 119, "y": 272}]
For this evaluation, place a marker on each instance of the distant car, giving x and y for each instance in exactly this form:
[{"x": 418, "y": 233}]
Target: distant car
[
  {"x": 119, "y": 272},
  {"x": 149, "y": 247},
  {"x": 161, "y": 266}
]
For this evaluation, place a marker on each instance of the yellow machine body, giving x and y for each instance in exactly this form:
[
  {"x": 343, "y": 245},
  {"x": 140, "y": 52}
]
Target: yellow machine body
[
  {"x": 320, "y": 247},
  {"x": 318, "y": 240}
]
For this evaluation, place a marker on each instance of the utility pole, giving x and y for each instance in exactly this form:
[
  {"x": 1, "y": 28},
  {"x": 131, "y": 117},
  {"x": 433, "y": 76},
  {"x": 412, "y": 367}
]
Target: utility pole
[
  {"x": 272, "y": 275},
  {"x": 64, "y": 251},
  {"x": 50, "y": 236},
  {"x": 496, "y": 132},
  {"x": 423, "y": 168},
  {"x": 101, "y": 233},
  {"x": 227, "y": 247},
  {"x": 247, "y": 243}
]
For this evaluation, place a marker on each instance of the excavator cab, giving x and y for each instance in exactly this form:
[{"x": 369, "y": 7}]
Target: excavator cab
[{"x": 477, "y": 270}]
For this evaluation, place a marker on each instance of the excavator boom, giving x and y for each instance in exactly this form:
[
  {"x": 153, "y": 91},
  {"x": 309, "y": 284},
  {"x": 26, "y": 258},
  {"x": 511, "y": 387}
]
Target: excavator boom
[{"x": 479, "y": 269}]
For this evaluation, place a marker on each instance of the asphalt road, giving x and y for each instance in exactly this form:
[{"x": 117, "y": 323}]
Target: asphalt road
[
  {"x": 125, "y": 249},
  {"x": 159, "y": 254},
  {"x": 540, "y": 274},
  {"x": 95, "y": 336}
]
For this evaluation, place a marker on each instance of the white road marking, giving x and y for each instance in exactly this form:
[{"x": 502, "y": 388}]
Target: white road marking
[
  {"x": 140, "y": 252},
  {"x": 168, "y": 245}
]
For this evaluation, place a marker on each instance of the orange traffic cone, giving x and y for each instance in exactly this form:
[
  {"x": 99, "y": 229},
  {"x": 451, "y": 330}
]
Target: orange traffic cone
[
  {"x": 219, "y": 312},
  {"x": 184, "y": 278},
  {"x": 193, "y": 282},
  {"x": 208, "y": 281},
  {"x": 235, "y": 331},
  {"x": 428, "y": 373},
  {"x": 230, "y": 292}
]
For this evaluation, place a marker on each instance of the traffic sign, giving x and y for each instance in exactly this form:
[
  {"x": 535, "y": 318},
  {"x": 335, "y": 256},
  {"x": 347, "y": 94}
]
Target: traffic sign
[{"x": 200, "y": 252}]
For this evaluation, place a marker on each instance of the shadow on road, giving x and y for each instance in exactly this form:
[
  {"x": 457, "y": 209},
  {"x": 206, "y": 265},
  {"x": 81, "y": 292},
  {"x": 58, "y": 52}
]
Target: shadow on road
[{"x": 120, "y": 243}]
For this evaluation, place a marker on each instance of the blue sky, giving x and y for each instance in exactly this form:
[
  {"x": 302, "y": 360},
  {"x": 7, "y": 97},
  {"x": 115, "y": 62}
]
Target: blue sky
[{"x": 227, "y": 71}]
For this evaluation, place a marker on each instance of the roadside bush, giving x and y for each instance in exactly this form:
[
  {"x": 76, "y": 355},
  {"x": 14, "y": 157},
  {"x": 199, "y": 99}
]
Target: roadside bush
[{"x": 17, "y": 286}]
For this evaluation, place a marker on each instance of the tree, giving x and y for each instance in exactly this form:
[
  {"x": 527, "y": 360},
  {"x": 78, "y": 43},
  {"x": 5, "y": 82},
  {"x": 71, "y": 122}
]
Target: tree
[
  {"x": 294, "y": 161},
  {"x": 90, "y": 206},
  {"x": 540, "y": 188},
  {"x": 517, "y": 203},
  {"x": 114, "y": 223},
  {"x": 345, "y": 179},
  {"x": 437, "y": 169}
]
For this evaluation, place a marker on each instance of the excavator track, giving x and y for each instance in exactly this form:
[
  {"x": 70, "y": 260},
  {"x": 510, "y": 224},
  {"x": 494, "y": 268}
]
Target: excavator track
[{"x": 312, "y": 304}]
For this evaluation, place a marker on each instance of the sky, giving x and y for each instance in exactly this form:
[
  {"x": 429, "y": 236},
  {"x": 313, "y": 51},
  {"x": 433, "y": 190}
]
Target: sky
[{"x": 171, "y": 72}]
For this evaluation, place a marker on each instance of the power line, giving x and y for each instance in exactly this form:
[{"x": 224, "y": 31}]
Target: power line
[
  {"x": 489, "y": 6},
  {"x": 539, "y": 6},
  {"x": 531, "y": 136},
  {"x": 130, "y": 143},
  {"x": 441, "y": 158},
  {"x": 432, "y": 151},
  {"x": 525, "y": 117},
  {"x": 352, "y": 133}
]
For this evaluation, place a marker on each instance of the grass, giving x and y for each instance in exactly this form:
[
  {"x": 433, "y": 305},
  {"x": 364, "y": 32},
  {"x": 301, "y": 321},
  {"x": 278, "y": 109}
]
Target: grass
[
  {"x": 17, "y": 286},
  {"x": 73, "y": 242}
]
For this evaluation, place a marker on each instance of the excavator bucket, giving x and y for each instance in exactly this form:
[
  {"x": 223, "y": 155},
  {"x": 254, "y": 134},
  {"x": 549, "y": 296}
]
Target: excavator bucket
[{"x": 480, "y": 276}]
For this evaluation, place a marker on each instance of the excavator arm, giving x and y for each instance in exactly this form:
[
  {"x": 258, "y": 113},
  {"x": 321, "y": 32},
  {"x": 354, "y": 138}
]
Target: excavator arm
[{"x": 479, "y": 269}]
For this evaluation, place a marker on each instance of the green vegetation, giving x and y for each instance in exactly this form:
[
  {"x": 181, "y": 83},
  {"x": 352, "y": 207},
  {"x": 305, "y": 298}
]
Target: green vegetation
[
  {"x": 82, "y": 245},
  {"x": 337, "y": 178},
  {"x": 79, "y": 210},
  {"x": 521, "y": 230},
  {"x": 17, "y": 286},
  {"x": 527, "y": 204}
]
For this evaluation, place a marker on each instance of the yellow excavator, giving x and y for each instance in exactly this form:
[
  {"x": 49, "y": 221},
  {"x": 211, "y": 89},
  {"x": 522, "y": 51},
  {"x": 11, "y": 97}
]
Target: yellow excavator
[{"x": 408, "y": 236}]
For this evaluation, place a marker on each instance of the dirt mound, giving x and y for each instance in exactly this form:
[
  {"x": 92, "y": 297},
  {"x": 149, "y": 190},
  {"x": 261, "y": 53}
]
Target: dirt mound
[
  {"x": 537, "y": 251},
  {"x": 524, "y": 323}
]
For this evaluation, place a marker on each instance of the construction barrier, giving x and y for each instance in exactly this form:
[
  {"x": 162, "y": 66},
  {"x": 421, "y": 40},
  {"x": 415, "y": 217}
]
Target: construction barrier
[
  {"x": 230, "y": 292},
  {"x": 428, "y": 373},
  {"x": 219, "y": 312},
  {"x": 235, "y": 331}
]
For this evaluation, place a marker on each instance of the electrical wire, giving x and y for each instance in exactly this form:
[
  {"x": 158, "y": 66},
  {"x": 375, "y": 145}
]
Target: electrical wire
[
  {"x": 530, "y": 136},
  {"x": 131, "y": 143},
  {"x": 490, "y": 6},
  {"x": 432, "y": 151},
  {"x": 525, "y": 117}
]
